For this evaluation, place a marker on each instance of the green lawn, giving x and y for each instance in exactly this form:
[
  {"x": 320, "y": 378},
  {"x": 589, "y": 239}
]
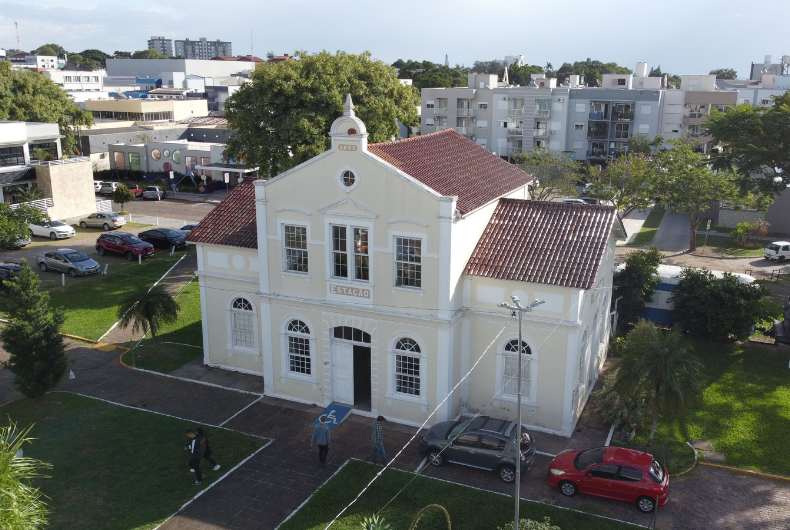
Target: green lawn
[
  {"x": 469, "y": 508},
  {"x": 115, "y": 467},
  {"x": 745, "y": 408},
  {"x": 727, "y": 245},
  {"x": 186, "y": 330},
  {"x": 648, "y": 231},
  {"x": 91, "y": 302}
]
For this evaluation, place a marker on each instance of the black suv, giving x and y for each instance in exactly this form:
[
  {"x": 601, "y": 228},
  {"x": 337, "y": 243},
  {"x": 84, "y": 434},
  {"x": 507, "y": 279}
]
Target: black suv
[{"x": 482, "y": 442}]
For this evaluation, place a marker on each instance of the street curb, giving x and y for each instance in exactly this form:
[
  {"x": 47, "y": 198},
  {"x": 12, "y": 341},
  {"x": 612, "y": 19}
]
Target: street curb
[
  {"x": 749, "y": 471},
  {"x": 692, "y": 465}
]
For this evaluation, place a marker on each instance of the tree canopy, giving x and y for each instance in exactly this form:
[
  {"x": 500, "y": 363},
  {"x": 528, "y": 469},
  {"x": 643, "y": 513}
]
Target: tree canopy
[
  {"x": 148, "y": 54},
  {"x": 117, "y": 54},
  {"x": 724, "y": 73},
  {"x": 554, "y": 173},
  {"x": 591, "y": 69},
  {"x": 28, "y": 96},
  {"x": 283, "y": 116},
  {"x": 635, "y": 285},
  {"x": 14, "y": 223},
  {"x": 521, "y": 75},
  {"x": 22, "y": 505},
  {"x": 49, "y": 49},
  {"x": 98, "y": 56},
  {"x": 147, "y": 309},
  {"x": 426, "y": 74}
]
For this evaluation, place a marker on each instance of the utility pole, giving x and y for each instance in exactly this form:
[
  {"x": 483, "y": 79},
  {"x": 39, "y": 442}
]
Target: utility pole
[
  {"x": 18, "y": 45},
  {"x": 517, "y": 307}
]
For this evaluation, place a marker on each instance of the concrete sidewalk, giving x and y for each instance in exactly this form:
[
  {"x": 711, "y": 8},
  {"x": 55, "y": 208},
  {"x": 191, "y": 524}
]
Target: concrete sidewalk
[{"x": 633, "y": 223}]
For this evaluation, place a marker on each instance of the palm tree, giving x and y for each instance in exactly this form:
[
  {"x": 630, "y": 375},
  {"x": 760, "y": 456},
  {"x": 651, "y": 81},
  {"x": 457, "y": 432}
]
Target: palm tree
[
  {"x": 147, "y": 309},
  {"x": 662, "y": 366},
  {"x": 549, "y": 68},
  {"x": 29, "y": 195},
  {"x": 21, "y": 504}
]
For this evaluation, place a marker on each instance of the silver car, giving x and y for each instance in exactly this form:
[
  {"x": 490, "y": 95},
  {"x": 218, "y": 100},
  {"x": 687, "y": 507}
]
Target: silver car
[
  {"x": 105, "y": 220},
  {"x": 52, "y": 229},
  {"x": 108, "y": 187},
  {"x": 154, "y": 192},
  {"x": 74, "y": 262}
]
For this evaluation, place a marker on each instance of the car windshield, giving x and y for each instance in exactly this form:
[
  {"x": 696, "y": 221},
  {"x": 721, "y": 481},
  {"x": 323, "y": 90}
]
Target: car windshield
[
  {"x": 457, "y": 429},
  {"x": 57, "y": 223},
  {"x": 131, "y": 240},
  {"x": 76, "y": 257},
  {"x": 114, "y": 215},
  {"x": 773, "y": 246},
  {"x": 588, "y": 458},
  {"x": 657, "y": 471},
  {"x": 172, "y": 233}
]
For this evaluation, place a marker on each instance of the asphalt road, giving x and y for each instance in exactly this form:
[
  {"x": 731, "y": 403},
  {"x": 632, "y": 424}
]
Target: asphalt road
[{"x": 169, "y": 208}]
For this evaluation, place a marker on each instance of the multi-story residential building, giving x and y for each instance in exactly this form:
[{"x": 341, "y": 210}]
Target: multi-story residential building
[
  {"x": 202, "y": 48},
  {"x": 766, "y": 67},
  {"x": 162, "y": 45}
]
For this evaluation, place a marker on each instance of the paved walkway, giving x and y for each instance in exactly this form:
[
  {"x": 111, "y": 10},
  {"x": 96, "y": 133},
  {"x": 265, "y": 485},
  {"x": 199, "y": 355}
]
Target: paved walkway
[
  {"x": 633, "y": 224},
  {"x": 673, "y": 233}
]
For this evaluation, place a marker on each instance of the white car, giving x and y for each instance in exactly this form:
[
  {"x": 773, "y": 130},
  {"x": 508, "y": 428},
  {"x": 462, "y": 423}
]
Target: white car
[
  {"x": 778, "y": 250},
  {"x": 52, "y": 229},
  {"x": 97, "y": 184}
]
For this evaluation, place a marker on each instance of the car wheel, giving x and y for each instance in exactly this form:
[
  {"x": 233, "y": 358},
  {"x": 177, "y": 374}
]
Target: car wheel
[
  {"x": 42, "y": 266},
  {"x": 507, "y": 474},
  {"x": 106, "y": 226},
  {"x": 781, "y": 258},
  {"x": 73, "y": 273},
  {"x": 130, "y": 256},
  {"x": 53, "y": 236},
  {"x": 568, "y": 488},
  {"x": 100, "y": 251},
  {"x": 83, "y": 224},
  {"x": 31, "y": 233},
  {"x": 645, "y": 504},
  {"x": 436, "y": 458}
]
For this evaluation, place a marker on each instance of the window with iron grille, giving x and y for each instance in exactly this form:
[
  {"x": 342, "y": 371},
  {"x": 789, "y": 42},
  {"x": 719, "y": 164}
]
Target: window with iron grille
[
  {"x": 407, "y": 367},
  {"x": 295, "y": 243},
  {"x": 242, "y": 318},
  {"x": 510, "y": 368},
  {"x": 299, "y": 348},
  {"x": 408, "y": 262}
]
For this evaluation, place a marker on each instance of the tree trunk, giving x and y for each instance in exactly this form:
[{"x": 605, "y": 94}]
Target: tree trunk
[
  {"x": 693, "y": 225},
  {"x": 153, "y": 336},
  {"x": 656, "y": 405}
]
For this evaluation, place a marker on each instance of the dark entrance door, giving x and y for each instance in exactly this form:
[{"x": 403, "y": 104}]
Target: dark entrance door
[{"x": 362, "y": 377}]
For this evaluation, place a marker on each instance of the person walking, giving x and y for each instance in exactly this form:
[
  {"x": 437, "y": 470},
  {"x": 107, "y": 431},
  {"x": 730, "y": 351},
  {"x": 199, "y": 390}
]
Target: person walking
[
  {"x": 206, "y": 448},
  {"x": 322, "y": 437},
  {"x": 195, "y": 455},
  {"x": 378, "y": 441}
]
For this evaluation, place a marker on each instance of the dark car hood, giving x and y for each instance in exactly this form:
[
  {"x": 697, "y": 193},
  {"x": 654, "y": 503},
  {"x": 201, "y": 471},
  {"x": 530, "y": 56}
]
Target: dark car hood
[{"x": 142, "y": 244}]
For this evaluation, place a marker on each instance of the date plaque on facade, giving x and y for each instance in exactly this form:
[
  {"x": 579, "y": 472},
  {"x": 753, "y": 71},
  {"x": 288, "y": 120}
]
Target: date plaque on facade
[
  {"x": 349, "y": 291},
  {"x": 346, "y": 147}
]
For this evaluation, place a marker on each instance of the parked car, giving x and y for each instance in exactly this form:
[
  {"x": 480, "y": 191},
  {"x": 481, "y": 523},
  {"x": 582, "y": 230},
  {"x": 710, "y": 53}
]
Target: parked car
[
  {"x": 104, "y": 220},
  {"x": 123, "y": 243},
  {"x": 164, "y": 238},
  {"x": 611, "y": 472},
  {"x": 97, "y": 184},
  {"x": 19, "y": 243},
  {"x": 188, "y": 227},
  {"x": 574, "y": 201},
  {"x": 778, "y": 250},
  {"x": 8, "y": 272},
  {"x": 52, "y": 229},
  {"x": 67, "y": 260},
  {"x": 591, "y": 200},
  {"x": 108, "y": 187},
  {"x": 136, "y": 189},
  {"x": 155, "y": 193},
  {"x": 483, "y": 442}
]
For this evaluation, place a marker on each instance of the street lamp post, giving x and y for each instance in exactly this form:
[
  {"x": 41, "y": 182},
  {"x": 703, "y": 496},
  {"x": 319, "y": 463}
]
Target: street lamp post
[{"x": 517, "y": 307}]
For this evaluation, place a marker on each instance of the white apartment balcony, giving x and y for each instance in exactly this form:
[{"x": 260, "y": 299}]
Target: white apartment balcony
[
  {"x": 440, "y": 111},
  {"x": 515, "y": 131},
  {"x": 542, "y": 113},
  {"x": 540, "y": 133},
  {"x": 515, "y": 112},
  {"x": 466, "y": 131},
  {"x": 442, "y": 127},
  {"x": 464, "y": 112}
]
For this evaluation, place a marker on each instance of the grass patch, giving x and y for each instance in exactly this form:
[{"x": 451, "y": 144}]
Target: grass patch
[
  {"x": 114, "y": 467},
  {"x": 187, "y": 329},
  {"x": 728, "y": 246},
  {"x": 490, "y": 510},
  {"x": 649, "y": 229},
  {"x": 744, "y": 410},
  {"x": 98, "y": 231}
]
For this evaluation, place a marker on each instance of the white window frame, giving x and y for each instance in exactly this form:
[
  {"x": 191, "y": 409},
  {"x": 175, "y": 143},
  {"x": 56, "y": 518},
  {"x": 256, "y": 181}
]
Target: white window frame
[
  {"x": 526, "y": 399},
  {"x": 285, "y": 354},
  {"x": 233, "y": 349},
  {"x": 482, "y": 105},
  {"x": 285, "y": 270},
  {"x": 392, "y": 354},
  {"x": 349, "y": 252},
  {"x": 339, "y": 178},
  {"x": 422, "y": 238}
]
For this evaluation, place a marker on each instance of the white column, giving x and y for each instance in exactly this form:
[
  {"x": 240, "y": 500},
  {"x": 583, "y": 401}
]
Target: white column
[
  {"x": 571, "y": 360},
  {"x": 446, "y": 209},
  {"x": 444, "y": 374},
  {"x": 203, "y": 306}
]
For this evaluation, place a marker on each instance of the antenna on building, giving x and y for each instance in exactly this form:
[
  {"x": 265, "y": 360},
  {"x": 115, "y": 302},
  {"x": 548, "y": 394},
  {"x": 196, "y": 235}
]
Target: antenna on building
[
  {"x": 251, "y": 48},
  {"x": 18, "y": 45}
]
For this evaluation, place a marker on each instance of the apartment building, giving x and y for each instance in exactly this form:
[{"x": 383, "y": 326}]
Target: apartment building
[
  {"x": 202, "y": 48},
  {"x": 162, "y": 45}
]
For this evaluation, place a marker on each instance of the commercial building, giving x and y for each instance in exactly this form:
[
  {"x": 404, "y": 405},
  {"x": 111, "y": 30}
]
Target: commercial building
[
  {"x": 154, "y": 68},
  {"x": 147, "y": 110},
  {"x": 202, "y": 48}
]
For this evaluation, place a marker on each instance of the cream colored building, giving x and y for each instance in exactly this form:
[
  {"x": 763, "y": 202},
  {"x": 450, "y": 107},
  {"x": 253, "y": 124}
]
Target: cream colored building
[
  {"x": 146, "y": 110},
  {"x": 370, "y": 276}
]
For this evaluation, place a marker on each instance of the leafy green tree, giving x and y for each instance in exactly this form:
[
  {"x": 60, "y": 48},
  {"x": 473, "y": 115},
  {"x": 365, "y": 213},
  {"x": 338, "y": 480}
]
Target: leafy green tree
[
  {"x": 660, "y": 365},
  {"x": 642, "y": 145},
  {"x": 718, "y": 308},
  {"x": 29, "y": 195},
  {"x": 122, "y": 195},
  {"x": 613, "y": 408},
  {"x": 147, "y": 310},
  {"x": 754, "y": 141},
  {"x": 14, "y": 223},
  {"x": 635, "y": 285},
  {"x": 21, "y": 504},
  {"x": 37, "y": 355},
  {"x": 28, "y": 96},
  {"x": 283, "y": 116},
  {"x": 49, "y": 49},
  {"x": 555, "y": 174},
  {"x": 724, "y": 73},
  {"x": 98, "y": 56},
  {"x": 521, "y": 75},
  {"x": 121, "y": 55},
  {"x": 80, "y": 60},
  {"x": 148, "y": 54},
  {"x": 488, "y": 67},
  {"x": 626, "y": 182},
  {"x": 565, "y": 71},
  {"x": 426, "y": 74}
]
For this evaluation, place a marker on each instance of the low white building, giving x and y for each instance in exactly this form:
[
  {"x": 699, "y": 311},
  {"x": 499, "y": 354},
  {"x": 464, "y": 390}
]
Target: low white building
[{"x": 370, "y": 276}]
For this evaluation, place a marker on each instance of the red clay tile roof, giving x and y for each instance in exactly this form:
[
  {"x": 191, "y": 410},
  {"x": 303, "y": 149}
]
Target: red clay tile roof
[
  {"x": 453, "y": 165},
  {"x": 543, "y": 242},
  {"x": 232, "y": 222}
]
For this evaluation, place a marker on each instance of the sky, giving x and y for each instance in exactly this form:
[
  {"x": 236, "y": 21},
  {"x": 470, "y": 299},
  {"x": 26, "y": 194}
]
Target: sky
[{"x": 681, "y": 36}]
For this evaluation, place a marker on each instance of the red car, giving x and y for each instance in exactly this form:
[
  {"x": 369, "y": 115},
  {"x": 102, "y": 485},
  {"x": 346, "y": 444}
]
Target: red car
[
  {"x": 611, "y": 472},
  {"x": 136, "y": 189},
  {"x": 123, "y": 243}
]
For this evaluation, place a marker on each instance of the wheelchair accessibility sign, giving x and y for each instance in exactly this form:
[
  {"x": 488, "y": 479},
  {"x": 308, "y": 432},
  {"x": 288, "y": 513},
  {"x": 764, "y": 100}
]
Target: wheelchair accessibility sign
[{"x": 335, "y": 414}]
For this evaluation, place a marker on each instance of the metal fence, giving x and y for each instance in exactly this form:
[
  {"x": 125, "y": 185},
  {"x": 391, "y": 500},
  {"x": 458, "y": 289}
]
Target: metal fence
[
  {"x": 103, "y": 206},
  {"x": 156, "y": 221}
]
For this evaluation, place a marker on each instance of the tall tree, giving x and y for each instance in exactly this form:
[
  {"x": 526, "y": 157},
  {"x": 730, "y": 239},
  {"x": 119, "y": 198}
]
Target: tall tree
[
  {"x": 97, "y": 56},
  {"x": 282, "y": 117},
  {"x": 521, "y": 75},
  {"x": 755, "y": 141},
  {"x": 79, "y": 60},
  {"x": 626, "y": 182},
  {"x": 661, "y": 365},
  {"x": 21, "y": 504},
  {"x": 148, "y": 54},
  {"x": 724, "y": 73},
  {"x": 553, "y": 172},
  {"x": 147, "y": 310},
  {"x": 635, "y": 285},
  {"x": 122, "y": 195},
  {"x": 49, "y": 49},
  {"x": 37, "y": 355}
]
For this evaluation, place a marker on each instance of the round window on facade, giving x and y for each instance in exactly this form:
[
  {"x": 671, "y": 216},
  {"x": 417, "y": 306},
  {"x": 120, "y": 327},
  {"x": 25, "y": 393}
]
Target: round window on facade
[
  {"x": 156, "y": 154},
  {"x": 177, "y": 157},
  {"x": 348, "y": 178},
  {"x": 166, "y": 153}
]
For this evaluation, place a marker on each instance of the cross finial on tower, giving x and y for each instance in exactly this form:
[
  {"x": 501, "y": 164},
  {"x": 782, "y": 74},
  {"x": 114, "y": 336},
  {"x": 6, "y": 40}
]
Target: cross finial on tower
[{"x": 349, "y": 107}]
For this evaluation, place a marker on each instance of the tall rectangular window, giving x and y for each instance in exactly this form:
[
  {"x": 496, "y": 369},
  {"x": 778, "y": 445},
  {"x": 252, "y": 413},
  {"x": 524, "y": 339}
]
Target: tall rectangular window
[
  {"x": 408, "y": 262},
  {"x": 339, "y": 252},
  {"x": 407, "y": 375},
  {"x": 361, "y": 263},
  {"x": 295, "y": 248},
  {"x": 350, "y": 261}
]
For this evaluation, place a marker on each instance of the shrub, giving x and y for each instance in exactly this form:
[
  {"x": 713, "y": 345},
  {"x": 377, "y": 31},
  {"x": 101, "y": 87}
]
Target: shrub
[
  {"x": 614, "y": 409},
  {"x": 531, "y": 524}
]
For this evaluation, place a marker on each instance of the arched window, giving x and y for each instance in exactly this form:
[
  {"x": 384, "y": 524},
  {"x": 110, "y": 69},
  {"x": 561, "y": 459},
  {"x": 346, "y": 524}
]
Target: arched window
[
  {"x": 242, "y": 316},
  {"x": 299, "y": 348},
  {"x": 510, "y": 368},
  {"x": 407, "y": 367}
]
